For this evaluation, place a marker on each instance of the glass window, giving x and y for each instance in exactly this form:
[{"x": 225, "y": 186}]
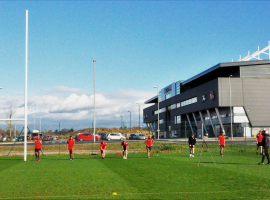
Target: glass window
[{"x": 178, "y": 105}]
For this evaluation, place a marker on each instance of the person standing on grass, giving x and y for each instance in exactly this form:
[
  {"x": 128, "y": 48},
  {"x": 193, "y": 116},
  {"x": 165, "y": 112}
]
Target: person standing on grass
[
  {"x": 221, "y": 142},
  {"x": 70, "y": 147},
  {"x": 149, "y": 143},
  {"x": 103, "y": 146},
  {"x": 265, "y": 143},
  {"x": 125, "y": 149},
  {"x": 38, "y": 147},
  {"x": 192, "y": 142},
  {"x": 259, "y": 137}
]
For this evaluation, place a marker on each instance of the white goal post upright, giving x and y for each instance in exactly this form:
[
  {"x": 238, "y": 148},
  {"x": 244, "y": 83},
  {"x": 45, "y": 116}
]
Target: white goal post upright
[{"x": 25, "y": 90}]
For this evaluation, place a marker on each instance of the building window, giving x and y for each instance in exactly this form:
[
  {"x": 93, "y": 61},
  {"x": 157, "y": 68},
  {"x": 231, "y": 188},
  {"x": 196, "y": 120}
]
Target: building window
[
  {"x": 160, "y": 111},
  {"x": 167, "y": 96},
  {"x": 173, "y": 106},
  {"x": 177, "y": 119},
  {"x": 178, "y": 105},
  {"x": 177, "y": 88},
  {"x": 161, "y": 121},
  {"x": 189, "y": 101}
]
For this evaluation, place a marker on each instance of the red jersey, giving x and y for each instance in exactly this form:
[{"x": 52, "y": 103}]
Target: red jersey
[
  {"x": 103, "y": 146},
  {"x": 38, "y": 143},
  {"x": 125, "y": 144},
  {"x": 221, "y": 140},
  {"x": 70, "y": 143},
  {"x": 149, "y": 142},
  {"x": 259, "y": 137}
]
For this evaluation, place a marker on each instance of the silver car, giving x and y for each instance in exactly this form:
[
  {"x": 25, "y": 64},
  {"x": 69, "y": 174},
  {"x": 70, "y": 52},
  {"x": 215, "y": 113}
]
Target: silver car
[
  {"x": 115, "y": 136},
  {"x": 140, "y": 136}
]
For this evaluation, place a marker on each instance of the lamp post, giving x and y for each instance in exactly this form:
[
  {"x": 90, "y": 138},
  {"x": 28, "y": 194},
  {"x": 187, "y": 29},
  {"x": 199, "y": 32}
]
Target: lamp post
[
  {"x": 231, "y": 105},
  {"x": 94, "y": 101},
  {"x": 40, "y": 125},
  {"x": 121, "y": 121},
  {"x": 130, "y": 122},
  {"x": 158, "y": 111},
  {"x": 139, "y": 118},
  {"x": 1, "y": 88},
  {"x": 15, "y": 114}
]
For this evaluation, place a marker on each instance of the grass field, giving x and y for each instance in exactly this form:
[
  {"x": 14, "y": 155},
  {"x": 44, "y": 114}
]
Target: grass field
[{"x": 167, "y": 176}]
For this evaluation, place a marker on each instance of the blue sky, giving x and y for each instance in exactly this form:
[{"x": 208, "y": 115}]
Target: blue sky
[{"x": 137, "y": 44}]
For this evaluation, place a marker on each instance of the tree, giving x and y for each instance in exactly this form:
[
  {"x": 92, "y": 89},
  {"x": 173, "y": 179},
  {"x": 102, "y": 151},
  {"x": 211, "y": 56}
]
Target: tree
[
  {"x": 9, "y": 112},
  {"x": 71, "y": 130}
]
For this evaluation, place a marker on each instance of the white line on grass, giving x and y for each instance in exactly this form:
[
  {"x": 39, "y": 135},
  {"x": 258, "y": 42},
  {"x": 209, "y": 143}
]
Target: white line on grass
[{"x": 143, "y": 193}]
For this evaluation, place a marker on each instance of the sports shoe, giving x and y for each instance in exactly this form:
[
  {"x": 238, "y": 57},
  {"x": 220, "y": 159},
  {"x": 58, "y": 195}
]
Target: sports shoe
[
  {"x": 193, "y": 156},
  {"x": 189, "y": 155},
  {"x": 70, "y": 159},
  {"x": 268, "y": 163},
  {"x": 123, "y": 157},
  {"x": 260, "y": 163}
]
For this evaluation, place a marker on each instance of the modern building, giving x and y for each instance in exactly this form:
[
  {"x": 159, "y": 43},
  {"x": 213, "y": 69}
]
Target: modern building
[{"x": 233, "y": 94}]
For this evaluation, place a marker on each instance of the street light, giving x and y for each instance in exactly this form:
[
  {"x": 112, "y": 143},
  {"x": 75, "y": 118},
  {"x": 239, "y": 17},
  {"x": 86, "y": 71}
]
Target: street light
[
  {"x": 139, "y": 118},
  {"x": 121, "y": 121},
  {"x": 1, "y": 88},
  {"x": 130, "y": 122},
  {"x": 158, "y": 111},
  {"x": 15, "y": 115},
  {"x": 231, "y": 104},
  {"x": 40, "y": 125},
  {"x": 94, "y": 101}
]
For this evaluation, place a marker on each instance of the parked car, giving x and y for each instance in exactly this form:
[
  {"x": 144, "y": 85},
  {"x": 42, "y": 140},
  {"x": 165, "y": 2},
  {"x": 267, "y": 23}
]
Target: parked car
[
  {"x": 132, "y": 136},
  {"x": 103, "y": 136},
  {"x": 115, "y": 136},
  {"x": 47, "y": 138},
  {"x": 86, "y": 136},
  {"x": 174, "y": 135},
  {"x": 55, "y": 138},
  {"x": 4, "y": 139},
  {"x": 21, "y": 138},
  {"x": 36, "y": 133},
  {"x": 12, "y": 139},
  {"x": 140, "y": 136}
]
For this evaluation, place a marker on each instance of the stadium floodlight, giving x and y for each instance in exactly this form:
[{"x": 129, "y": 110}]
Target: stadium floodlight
[
  {"x": 1, "y": 88},
  {"x": 231, "y": 105},
  {"x": 158, "y": 111}
]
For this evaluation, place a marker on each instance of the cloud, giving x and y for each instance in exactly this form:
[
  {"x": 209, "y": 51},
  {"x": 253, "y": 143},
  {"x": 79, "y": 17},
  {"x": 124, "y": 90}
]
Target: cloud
[{"x": 79, "y": 106}]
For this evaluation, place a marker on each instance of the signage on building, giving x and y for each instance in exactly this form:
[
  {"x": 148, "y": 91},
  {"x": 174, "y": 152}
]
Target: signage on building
[
  {"x": 168, "y": 89},
  {"x": 204, "y": 98},
  {"x": 212, "y": 95}
]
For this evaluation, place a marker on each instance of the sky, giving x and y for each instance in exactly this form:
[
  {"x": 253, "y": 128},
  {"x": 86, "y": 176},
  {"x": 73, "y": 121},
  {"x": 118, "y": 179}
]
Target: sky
[{"x": 136, "y": 45}]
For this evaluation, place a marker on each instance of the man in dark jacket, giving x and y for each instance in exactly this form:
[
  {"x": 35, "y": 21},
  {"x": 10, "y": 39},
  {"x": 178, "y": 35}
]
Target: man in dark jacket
[
  {"x": 265, "y": 143},
  {"x": 192, "y": 142}
]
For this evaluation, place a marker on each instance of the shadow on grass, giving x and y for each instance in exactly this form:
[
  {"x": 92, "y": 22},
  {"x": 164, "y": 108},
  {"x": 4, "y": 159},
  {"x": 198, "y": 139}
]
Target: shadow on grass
[{"x": 220, "y": 163}]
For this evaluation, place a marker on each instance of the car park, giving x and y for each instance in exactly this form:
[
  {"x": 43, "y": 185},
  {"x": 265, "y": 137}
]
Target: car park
[
  {"x": 140, "y": 136},
  {"x": 103, "y": 136},
  {"x": 115, "y": 136},
  {"x": 132, "y": 136},
  {"x": 86, "y": 136},
  {"x": 174, "y": 135},
  {"x": 11, "y": 139}
]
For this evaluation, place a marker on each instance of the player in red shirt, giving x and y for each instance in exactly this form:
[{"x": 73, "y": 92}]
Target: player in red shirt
[
  {"x": 38, "y": 147},
  {"x": 259, "y": 137},
  {"x": 221, "y": 142},
  {"x": 125, "y": 149},
  {"x": 149, "y": 142},
  {"x": 70, "y": 147},
  {"x": 103, "y": 146}
]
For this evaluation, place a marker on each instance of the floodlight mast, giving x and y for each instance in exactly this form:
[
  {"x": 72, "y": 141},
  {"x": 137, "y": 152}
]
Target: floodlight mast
[
  {"x": 25, "y": 90},
  {"x": 256, "y": 55}
]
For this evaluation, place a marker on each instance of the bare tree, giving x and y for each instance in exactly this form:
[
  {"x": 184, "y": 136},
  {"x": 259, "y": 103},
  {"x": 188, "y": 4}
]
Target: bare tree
[{"x": 9, "y": 112}]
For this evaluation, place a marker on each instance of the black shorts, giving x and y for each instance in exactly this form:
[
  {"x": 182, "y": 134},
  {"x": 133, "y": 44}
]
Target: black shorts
[
  {"x": 124, "y": 148},
  {"x": 192, "y": 146},
  {"x": 221, "y": 146},
  {"x": 148, "y": 148},
  {"x": 37, "y": 150},
  {"x": 259, "y": 144}
]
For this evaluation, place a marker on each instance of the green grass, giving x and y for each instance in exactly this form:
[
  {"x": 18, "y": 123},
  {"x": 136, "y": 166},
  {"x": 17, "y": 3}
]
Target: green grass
[{"x": 236, "y": 176}]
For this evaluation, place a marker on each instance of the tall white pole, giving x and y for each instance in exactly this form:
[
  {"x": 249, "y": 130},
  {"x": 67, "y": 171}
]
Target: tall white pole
[
  {"x": 25, "y": 90},
  {"x": 94, "y": 101},
  {"x": 158, "y": 113},
  {"x": 34, "y": 120},
  {"x": 40, "y": 125},
  {"x": 231, "y": 105}
]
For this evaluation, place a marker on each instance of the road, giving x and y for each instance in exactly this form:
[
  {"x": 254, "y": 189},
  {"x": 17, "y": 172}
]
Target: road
[{"x": 241, "y": 141}]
